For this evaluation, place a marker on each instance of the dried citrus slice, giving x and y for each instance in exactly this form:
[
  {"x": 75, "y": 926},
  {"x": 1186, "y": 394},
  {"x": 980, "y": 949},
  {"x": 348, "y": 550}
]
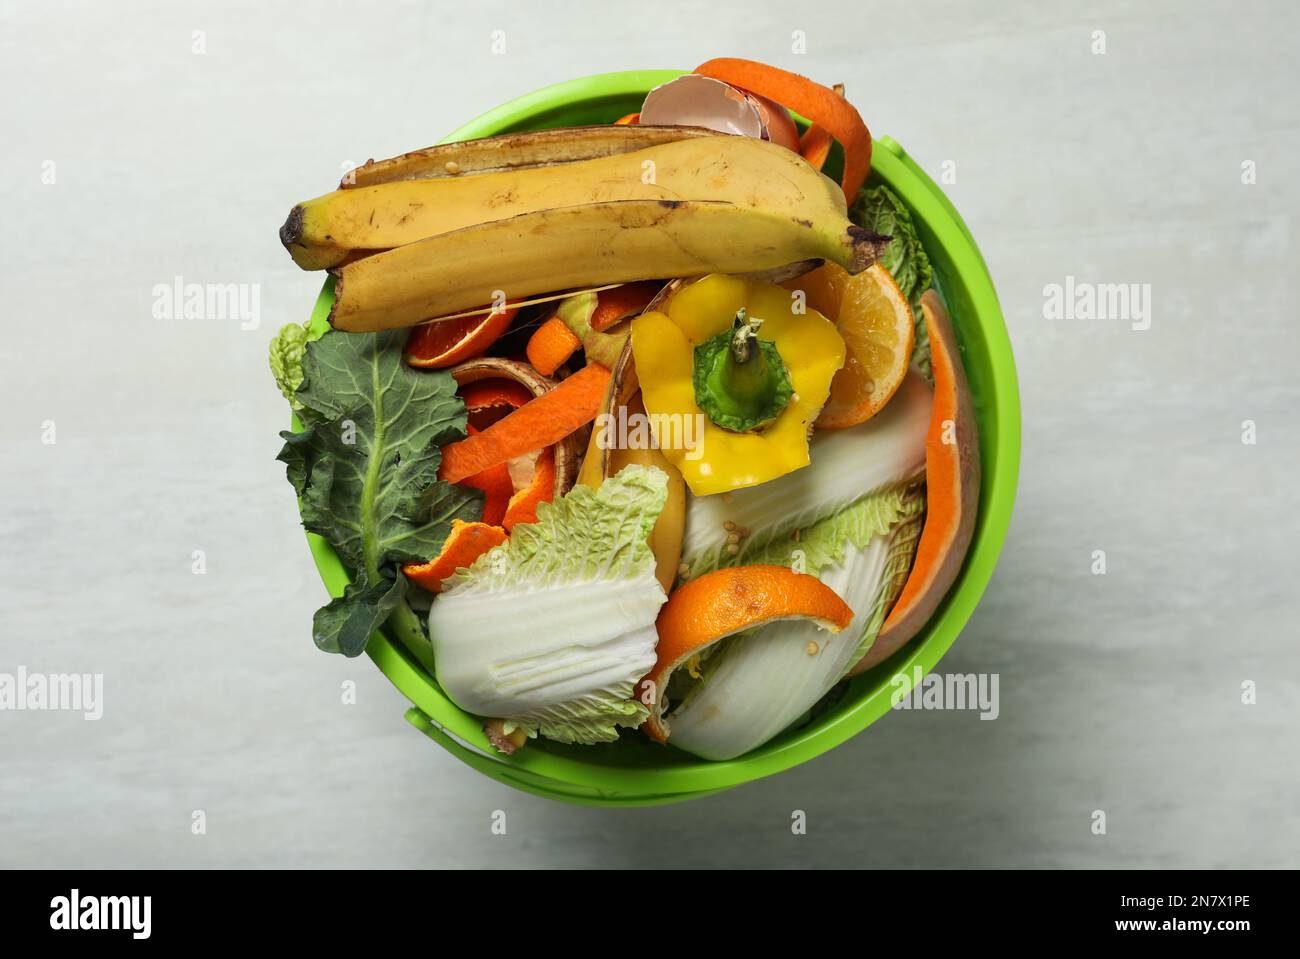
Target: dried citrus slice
[
  {"x": 875, "y": 320},
  {"x": 466, "y": 543},
  {"x": 435, "y": 346},
  {"x": 708, "y": 609}
]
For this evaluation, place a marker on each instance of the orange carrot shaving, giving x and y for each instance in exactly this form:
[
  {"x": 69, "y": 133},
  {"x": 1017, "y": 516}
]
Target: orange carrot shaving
[
  {"x": 815, "y": 145},
  {"x": 550, "y": 345},
  {"x": 620, "y": 302},
  {"x": 466, "y": 543},
  {"x": 540, "y": 489},
  {"x": 822, "y": 105},
  {"x": 545, "y": 420},
  {"x": 627, "y": 119}
]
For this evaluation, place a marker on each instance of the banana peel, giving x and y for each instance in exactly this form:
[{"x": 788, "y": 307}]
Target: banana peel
[
  {"x": 332, "y": 228},
  {"x": 738, "y": 206},
  {"x": 553, "y": 249},
  {"x": 517, "y": 151}
]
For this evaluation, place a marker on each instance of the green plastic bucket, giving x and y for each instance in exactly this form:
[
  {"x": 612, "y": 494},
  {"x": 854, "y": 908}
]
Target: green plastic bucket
[{"x": 635, "y": 771}]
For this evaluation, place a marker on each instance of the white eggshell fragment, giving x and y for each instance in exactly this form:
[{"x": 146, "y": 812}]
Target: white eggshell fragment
[{"x": 693, "y": 100}]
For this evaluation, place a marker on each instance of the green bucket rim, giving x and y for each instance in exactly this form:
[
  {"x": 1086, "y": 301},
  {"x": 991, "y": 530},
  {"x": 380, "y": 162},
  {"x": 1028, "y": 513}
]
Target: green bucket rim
[{"x": 632, "y": 773}]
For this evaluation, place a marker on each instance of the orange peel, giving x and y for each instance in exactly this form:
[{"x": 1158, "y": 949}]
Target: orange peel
[
  {"x": 619, "y": 302},
  {"x": 466, "y": 543},
  {"x": 486, "y": 400},
  {"x": 873, "y": 316},
  {"x": 497, "y": 487},
  {"x": 444, "y": 343},
  {"x": 707, "y": 610},
  {"x": 540, "y": 489}
]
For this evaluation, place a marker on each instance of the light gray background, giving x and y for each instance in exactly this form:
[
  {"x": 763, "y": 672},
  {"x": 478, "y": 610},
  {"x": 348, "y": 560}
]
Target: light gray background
[{"x": 1119, "y": 692}]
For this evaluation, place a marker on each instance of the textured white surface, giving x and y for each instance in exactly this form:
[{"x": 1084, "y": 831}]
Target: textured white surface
[{"x": 1119, "y": 693}]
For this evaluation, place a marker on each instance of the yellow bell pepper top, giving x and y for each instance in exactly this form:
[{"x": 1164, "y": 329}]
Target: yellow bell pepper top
[{"x": 663, "y": 345}]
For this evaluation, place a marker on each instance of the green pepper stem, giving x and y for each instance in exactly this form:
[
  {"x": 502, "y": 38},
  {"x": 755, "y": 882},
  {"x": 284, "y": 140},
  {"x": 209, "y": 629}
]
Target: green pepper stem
[
  {"x": 744, "y": 331},
  {"x": 741, "y": 382},
  {"x": 745, "y": 375}
]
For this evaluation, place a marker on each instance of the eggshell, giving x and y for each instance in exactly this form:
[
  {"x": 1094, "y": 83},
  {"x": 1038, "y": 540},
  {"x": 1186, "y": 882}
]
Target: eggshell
[{"x": 693, "y": 100}]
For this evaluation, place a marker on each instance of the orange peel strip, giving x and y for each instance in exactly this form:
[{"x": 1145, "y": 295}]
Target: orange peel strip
[
  {"x": 485, "y": 399},
  {"x": 540, "y": 489},
  {"x": 551, "y": 345},
  {"x": 497, "y": 488},
  {"x": 707, "y": 610},
  {"x": 466, "y": 543}
]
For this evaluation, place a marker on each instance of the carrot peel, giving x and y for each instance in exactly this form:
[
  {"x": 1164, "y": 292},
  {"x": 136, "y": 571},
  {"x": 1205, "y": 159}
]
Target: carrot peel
[{"x": 537, "y": 424}]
